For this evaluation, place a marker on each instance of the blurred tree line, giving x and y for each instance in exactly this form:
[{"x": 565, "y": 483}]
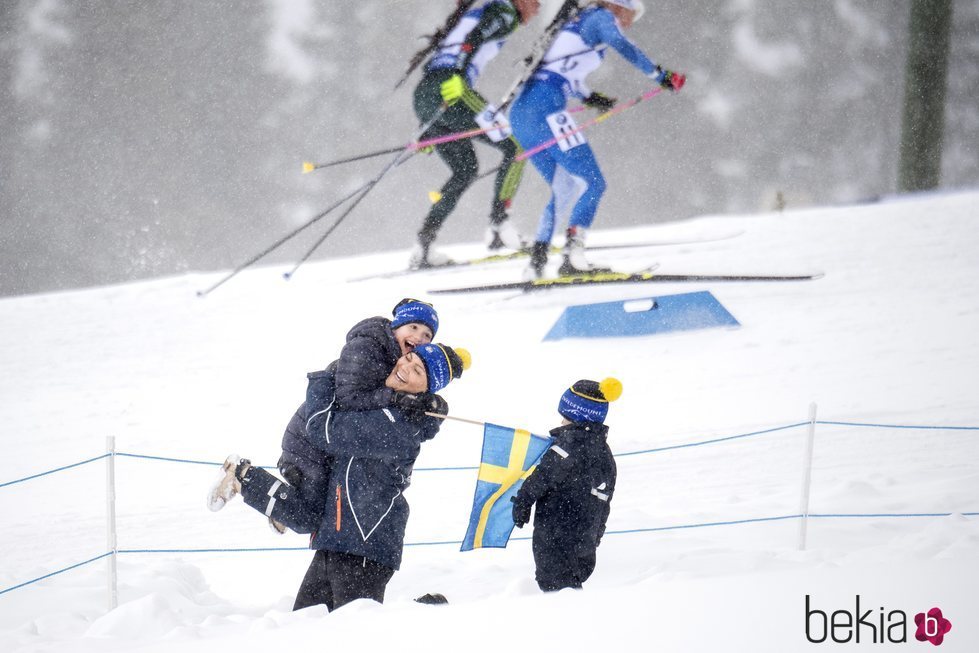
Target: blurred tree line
[{"x": 146, "y": 139}]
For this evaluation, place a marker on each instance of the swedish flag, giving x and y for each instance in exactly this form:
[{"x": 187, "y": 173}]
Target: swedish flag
[{"x": 509, "y": 456}]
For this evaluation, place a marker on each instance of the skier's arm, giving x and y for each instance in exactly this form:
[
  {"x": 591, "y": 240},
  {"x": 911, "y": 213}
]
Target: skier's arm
[
  {"x": 499, "y": 19},
  {"x": 600, "y": 27}
]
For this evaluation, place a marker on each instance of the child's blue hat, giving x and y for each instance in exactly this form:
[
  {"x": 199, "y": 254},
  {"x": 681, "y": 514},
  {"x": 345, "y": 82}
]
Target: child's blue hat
[
  {"x": 587, "y": 401},
  {"x": 442, "y": 363},
  {"x": 413, "y": 310}
]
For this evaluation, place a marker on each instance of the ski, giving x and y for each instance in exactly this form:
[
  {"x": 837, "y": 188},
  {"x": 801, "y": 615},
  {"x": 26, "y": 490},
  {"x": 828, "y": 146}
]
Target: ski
[
  {"x": 604, "y": 278},
  {"x": 525, "y": 253},
  {"x": 567, "y": 10}
]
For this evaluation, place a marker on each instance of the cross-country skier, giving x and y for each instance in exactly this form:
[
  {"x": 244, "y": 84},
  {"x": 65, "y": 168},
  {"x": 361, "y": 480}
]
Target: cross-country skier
[
  {"x": 538, "y": 116},
  {"x": 449, "y": 77},
  {"x": 572, "y": 487}
]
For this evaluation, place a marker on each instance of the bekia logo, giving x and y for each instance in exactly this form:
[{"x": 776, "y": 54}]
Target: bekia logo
[
  {"x": 931, "y": 626},
  {"x": 874, "y": 626}
]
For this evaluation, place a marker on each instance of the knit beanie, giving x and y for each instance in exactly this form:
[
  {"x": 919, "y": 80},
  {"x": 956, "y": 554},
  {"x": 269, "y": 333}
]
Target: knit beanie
[
  {"x": 443, "y": 363},
  {"x": 413, "y": 310},
  {"x": 587, "y": 401}
]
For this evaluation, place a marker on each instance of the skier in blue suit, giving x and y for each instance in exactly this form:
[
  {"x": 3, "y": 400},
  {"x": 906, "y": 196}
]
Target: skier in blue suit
[{"x": 538, "y": 116}]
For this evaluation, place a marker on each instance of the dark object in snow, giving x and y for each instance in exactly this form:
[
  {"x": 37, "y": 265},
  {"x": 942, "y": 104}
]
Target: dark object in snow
[{"x": 432, "y": 599}]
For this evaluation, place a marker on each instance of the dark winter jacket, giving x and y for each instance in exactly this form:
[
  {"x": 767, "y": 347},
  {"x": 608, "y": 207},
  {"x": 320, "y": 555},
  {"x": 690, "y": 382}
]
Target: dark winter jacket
[
  {"x": 373, "y": 456},
  {"x": 365, "y": 363},
  {"x": 572, "y": 487},
  {"x": 303, "y": 451}
]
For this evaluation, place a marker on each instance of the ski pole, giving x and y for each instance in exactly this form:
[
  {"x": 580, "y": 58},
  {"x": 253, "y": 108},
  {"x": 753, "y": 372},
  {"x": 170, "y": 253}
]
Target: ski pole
[
  {"x": 540, "y": 47},
  {"x": 268, "y": 250},
  {"x": 403, "y": 155},
  {"x": 400, "y": 158},
  {"x": 543, "y": 146},
  {"x": 526, "y": 154},
  {"x": 309, "y": 166}
]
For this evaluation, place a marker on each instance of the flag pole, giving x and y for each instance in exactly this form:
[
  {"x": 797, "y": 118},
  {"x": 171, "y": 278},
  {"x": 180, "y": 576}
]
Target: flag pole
[{"x": 458, "y": 419}]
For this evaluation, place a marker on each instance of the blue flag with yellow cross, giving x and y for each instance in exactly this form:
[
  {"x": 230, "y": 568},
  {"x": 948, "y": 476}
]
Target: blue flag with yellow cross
[{"x": 509, "y": 456}]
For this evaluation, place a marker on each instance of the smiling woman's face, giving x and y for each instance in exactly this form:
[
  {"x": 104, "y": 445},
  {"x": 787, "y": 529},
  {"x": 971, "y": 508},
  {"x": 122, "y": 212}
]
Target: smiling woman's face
[{"x": 408, "y": 375}]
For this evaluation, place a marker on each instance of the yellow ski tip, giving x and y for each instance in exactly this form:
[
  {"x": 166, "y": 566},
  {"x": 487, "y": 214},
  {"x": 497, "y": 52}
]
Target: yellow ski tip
[
  {"x": 434, "y": 196},
  {"x": 308, "y": 167}
]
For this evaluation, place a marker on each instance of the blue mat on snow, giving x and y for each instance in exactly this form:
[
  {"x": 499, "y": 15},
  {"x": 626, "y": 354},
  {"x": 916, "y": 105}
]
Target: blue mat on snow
[{"x": 639, "y": 317}]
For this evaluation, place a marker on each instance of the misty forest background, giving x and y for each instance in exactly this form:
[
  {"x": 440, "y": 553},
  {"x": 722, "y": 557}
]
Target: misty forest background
[{"x": 151, "y": 138}]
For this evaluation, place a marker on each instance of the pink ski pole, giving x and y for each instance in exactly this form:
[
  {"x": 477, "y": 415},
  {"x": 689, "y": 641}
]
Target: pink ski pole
[{"x": 526, "y": 154}]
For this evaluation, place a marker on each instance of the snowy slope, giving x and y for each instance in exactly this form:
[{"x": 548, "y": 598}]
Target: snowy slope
[{"x": 888, "y": 336}]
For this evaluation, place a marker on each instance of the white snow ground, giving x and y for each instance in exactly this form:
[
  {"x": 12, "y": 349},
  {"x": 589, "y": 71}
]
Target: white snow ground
[{"x": 889, "y": 335}]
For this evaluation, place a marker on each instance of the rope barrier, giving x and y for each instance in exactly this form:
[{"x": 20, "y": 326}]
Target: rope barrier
[
  {"x": 471, "y": 468},
  {"x": 715, "y": 440},
  {"x": 735, "y": 522},
  {"x": 518, "y": 538},
  {"x": 901, "y": 426},
  {"x": 52, "y": 471},
  {"x": 55, "y": 573}
]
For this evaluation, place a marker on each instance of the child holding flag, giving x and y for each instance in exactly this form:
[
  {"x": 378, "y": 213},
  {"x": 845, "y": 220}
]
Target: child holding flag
[{"x": 572, "y": 487}]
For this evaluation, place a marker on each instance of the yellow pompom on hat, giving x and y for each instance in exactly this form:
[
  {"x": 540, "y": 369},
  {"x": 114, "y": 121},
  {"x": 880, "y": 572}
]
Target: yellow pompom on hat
[
  {"x": 465, "y": 357},
  {"x": 587, "y": 401}
]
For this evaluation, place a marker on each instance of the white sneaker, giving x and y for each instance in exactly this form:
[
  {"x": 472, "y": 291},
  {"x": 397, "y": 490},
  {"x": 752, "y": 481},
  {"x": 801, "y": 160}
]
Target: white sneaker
[
  {"x": 425, "y": 257},
  {"x": 227, "y": 486},
  {"x": 504, "y": 234}
]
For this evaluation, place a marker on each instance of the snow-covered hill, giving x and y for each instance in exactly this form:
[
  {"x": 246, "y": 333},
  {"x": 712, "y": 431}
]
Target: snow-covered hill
[{"x": 887, "y": 336}]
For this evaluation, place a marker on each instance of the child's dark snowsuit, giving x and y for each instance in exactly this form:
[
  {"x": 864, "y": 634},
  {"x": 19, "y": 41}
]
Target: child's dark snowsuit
[{"x": 572, "y": 487}]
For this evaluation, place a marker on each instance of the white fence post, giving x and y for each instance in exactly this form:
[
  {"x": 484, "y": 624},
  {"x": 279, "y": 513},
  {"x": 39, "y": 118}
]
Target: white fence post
[
  {"x": 110, "y": 497},
  {"x": 807, "y": 478}
]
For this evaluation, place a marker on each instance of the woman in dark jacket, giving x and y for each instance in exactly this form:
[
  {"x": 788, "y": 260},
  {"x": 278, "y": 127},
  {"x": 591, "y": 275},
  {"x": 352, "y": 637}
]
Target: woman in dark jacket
[
  {"x": 572, "y": 487},
  {"x": 360, "y": 535},
  {"x": 355, "y": 381}
]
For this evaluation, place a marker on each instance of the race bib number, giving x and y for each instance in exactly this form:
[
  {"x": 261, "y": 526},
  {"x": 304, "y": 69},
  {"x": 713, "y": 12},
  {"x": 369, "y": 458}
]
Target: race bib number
[
  {"x": 564, "y": 129},
  {"x": 496, "y": 124}
]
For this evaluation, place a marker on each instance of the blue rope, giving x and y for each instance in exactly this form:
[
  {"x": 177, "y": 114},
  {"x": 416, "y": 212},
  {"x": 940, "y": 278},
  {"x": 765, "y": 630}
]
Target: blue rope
[
  {"x": 892, "y": 514},
  {"x": 252, "y": 550},
  {"x": 459, "y": 542},
  {"x": 471, "y": 468},
  {"x": 703, "y": 442},
  {"x": 55, "y": 573},
  {"x": 900, "y": 426},
  {"x": 59, "y": 469},
  {"x": 182, "y": 460},
  {"x": 716, "y": 523}
]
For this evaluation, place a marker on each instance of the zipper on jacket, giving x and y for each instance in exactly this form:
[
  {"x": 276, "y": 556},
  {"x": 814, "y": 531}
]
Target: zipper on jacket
[{"x": 339, "y": 511}]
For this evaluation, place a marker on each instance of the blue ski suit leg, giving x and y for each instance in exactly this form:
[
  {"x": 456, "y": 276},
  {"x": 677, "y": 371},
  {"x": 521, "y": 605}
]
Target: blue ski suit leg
[{"x": 529, "y": 120}]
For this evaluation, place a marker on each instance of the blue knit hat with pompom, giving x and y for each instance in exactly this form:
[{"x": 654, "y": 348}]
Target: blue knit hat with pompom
[{"x": 587, "y": 401}]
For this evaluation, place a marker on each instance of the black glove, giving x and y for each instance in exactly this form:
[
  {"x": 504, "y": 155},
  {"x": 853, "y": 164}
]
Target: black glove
[
  {"x": 521, "y": 513},
  {"x": 292, "y": 474},
  {"x": 415, "y": 406},
  {"x": 599, "y": 101}
]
